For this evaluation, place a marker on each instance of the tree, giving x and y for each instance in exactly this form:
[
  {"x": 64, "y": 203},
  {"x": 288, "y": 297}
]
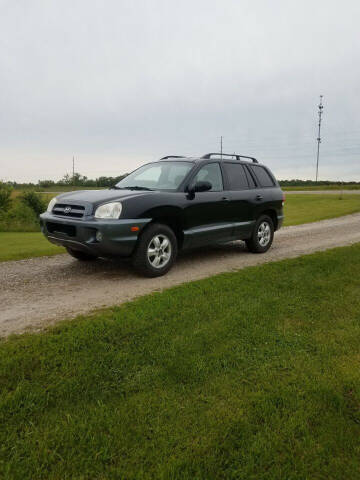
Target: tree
[
  {"x": 34, "y": 201},
  {"x": 5, "y": 196}
]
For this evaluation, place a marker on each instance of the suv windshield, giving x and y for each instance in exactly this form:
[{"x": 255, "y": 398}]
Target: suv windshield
[{"x": 157, "y": 176}]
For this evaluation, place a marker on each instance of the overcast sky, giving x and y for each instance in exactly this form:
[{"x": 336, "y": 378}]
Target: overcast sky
[{"x": 118, "y": 83}]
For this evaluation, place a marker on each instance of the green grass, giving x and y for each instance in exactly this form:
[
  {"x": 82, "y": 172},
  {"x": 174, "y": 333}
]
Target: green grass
[
  {"x": 248, "y": 375},
  {"x": 18, "y": 245},
  {"x": 311, "y": 208},
  {"x": 298, "y": 209},
  {"x": 354, "y": 186}
]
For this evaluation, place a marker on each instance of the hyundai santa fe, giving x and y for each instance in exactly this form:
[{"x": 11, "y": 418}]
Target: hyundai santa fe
[{"x": 172, "y": 204}]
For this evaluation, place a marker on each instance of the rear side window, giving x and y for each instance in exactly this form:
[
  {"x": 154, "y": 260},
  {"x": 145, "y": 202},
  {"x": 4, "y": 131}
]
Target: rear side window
[
  {"x": 262, "y": 175},
  {"x": 236, "y": 176}
]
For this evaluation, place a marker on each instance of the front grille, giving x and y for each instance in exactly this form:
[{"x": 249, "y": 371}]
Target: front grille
[
  {"x": 68, "y": 230},
  {"x": 67, "y": 210}
]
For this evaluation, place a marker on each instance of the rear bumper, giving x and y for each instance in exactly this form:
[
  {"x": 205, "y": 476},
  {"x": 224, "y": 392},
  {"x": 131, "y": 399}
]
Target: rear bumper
[
  {"x": 117, "y": 239},
  {"x": 280, "y": 221}
]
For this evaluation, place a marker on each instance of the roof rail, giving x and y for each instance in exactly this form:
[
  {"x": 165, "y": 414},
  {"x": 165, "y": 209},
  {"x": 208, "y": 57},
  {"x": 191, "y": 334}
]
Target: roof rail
[
  {"x": 172, "y": 156},
  {"x": 236, "y": 155}
]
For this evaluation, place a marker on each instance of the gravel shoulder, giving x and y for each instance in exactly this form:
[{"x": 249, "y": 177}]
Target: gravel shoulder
[{"x": 38, "y": 292}]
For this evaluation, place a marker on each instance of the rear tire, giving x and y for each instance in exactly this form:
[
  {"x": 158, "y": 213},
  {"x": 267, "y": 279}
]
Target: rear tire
[
  {"x": 262, "y": 236},
  {"x": 156, "y": 250},
  {"x": 82, "y": 256}
]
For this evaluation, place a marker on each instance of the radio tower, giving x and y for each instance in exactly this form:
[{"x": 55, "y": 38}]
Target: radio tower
[{"x": 320, "y": 112}]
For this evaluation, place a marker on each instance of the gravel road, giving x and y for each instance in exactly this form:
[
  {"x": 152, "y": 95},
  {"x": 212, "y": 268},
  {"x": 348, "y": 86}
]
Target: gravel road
[{"x": 37, "y": 292}]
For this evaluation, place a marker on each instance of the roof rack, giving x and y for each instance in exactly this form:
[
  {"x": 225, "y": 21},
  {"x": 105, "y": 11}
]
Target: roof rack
[
  {"x": 237, "y": 156},
  {"x": 172, "y": 156}
]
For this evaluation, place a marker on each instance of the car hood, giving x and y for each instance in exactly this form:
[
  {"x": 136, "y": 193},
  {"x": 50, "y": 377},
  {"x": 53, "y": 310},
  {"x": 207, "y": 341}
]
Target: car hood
[{"x": 97, "y": 197}]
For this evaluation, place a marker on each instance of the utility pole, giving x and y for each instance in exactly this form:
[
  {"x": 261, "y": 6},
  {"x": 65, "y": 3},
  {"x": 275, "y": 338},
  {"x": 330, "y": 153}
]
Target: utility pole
[
  {"x": 221, "y": 139},
  {"x": 320, "y": 112},
  {"x": 73, "y": 171}
]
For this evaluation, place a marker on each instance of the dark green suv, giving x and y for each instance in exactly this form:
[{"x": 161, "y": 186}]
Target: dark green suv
[{"x": 171, "y": 204}]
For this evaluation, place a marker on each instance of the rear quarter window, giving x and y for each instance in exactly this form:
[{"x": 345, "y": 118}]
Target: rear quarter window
[
  {"x": 236, "y": 175},
  {"x": 262, "y": 176}
]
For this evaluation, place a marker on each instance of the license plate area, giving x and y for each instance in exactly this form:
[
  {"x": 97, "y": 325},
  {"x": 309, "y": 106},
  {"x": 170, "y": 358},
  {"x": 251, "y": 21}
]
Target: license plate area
[{"x": 61, "y": 228}]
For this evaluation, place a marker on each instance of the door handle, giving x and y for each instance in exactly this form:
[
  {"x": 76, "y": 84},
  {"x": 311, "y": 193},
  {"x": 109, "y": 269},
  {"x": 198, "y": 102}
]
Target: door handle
[
  {"x": 259, "y": 197},
  {"x": 225, "y": 199}
]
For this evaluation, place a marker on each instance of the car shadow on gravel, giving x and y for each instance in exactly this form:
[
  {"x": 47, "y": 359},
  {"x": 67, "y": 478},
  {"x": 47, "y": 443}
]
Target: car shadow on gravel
[{"x": 122, "y": 267}]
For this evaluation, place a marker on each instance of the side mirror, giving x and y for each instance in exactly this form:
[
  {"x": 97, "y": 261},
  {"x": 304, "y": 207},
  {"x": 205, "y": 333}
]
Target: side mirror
[{"x": 202, "y": 187}]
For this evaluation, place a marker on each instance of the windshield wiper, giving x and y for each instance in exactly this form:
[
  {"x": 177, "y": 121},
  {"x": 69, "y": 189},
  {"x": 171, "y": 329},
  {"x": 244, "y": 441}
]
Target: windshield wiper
[{"x": 136, "y": 187}]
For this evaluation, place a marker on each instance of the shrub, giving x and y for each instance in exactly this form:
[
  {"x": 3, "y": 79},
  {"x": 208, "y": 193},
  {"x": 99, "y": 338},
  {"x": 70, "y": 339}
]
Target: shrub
[
  {"x": 19, "y": 218},
  {"x": 5, "y": 197},
  {"x": 34, "y": 201}
]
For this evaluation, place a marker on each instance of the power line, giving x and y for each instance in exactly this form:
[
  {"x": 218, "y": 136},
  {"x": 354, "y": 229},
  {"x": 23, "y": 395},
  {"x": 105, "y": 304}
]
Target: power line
[{"x": 320, "y": 112}]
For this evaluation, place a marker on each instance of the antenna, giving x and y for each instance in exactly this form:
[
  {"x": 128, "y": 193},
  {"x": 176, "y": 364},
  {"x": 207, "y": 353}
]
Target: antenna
[
  {"x": 221, "y": 145},
  {"x": 73, "y": 171},
  {"x": 320, "y": 112}
]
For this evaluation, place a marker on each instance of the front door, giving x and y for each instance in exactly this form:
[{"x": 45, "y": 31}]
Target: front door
[{"x": 207, "y": 214}]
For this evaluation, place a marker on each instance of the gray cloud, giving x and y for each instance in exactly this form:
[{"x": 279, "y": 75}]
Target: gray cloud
[{"x": 116, "y": 83}]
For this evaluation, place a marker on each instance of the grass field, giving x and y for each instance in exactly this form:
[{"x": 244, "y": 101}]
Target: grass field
[
  {"x": 46, "y": 195},
  {"x": 354, "y": 186},
  {"x": 51, "y": 192},
  {"x": 216, "y": 379},
  {"x": 18, "y": 245},
  {"x": 311, "y": 208},
  {"x": 298, "y": 209}
]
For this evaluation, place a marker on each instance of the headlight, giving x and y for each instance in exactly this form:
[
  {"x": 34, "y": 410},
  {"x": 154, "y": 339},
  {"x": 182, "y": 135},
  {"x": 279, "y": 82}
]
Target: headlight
[
  {"x": 51, "y": 204},
  {"x": 109, "y": 210}
]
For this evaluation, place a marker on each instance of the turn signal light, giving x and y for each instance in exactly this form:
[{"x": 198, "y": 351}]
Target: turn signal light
[{"x": 134, "y": 229}]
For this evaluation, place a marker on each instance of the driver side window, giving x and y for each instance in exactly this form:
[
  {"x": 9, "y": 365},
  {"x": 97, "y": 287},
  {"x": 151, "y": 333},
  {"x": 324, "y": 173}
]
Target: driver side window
[{"x": 210, "y": 173}]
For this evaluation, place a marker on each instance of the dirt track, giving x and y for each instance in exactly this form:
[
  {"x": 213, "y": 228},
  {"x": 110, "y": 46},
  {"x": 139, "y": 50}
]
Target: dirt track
[{"x": 37, "y": 292}]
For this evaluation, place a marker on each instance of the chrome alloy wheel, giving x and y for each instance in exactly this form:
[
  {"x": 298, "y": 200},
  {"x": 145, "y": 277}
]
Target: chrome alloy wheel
[
  {"x": 264, "y": 233},
  {"x": 159, "y": 251}
]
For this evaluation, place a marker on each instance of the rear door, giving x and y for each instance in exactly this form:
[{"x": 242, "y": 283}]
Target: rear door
[
  {"x": 266, "y": 188},
  {"x": 240, "y": 186},
  {"x": 207, "y": 216}
]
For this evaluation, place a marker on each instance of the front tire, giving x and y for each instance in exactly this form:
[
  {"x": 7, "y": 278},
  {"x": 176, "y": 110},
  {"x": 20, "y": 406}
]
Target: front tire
[
  {"x": 82, "y": 256},
  {"x": 156, "y": 251},
  {"x": 262, "y": 236}
]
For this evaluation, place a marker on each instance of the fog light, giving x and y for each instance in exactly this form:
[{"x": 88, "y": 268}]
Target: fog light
[{"x": 98, "y": 236}]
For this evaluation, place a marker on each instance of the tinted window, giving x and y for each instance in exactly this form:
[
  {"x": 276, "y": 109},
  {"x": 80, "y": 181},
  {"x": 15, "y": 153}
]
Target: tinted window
[
  {"x": 262, "y": 175},
  {"x": 236, "y": 176},
  {"x": 210, "y": 173},
  {"x": 250, "y": 178}
]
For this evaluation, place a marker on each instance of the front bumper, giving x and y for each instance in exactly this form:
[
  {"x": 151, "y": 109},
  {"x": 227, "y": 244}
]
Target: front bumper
[{"x": 118, "y": 240}]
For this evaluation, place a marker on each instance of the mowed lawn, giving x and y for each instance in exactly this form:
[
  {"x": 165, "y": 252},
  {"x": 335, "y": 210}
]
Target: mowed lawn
[
  {"x": 298, "y": 209},
  {"x": 350, "y": 186},
  {"x": 311, "y": 208},
  {"x": 18, "y": 245},
  {"x": 248, "y": 375}
]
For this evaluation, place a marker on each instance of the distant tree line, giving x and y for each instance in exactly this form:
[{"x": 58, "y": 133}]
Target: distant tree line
[
  {"x": 77, "y": 180},
  {"x": 312, "y": 183}
]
